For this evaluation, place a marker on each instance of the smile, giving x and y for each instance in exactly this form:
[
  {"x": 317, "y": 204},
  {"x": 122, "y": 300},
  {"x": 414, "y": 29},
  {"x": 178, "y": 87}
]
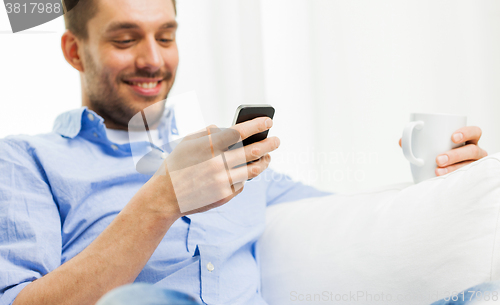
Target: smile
[{"x": 145, "y": 87}]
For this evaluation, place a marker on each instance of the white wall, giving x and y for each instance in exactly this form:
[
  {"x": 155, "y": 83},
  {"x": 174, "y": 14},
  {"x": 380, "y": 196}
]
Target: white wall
[
  {"x": 36, "y": 82},
  {"x": 342, "y": 75}
]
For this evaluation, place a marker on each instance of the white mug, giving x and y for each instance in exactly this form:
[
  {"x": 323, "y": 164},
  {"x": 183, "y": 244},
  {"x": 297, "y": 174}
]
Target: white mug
[{"x": 427, "y": 136}]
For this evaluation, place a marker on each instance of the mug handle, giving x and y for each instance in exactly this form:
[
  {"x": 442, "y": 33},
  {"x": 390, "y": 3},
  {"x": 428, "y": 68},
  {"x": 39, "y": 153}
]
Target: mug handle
[{"x": 406, "y": 142}]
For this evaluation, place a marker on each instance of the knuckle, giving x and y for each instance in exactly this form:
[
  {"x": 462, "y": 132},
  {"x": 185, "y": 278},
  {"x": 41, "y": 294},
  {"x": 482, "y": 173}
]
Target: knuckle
[
  {"x": 233, "y": 134},
  {"x": 217, "y": 142},
  {"x": 244, "y": 132},
  {"x": 268, "y": 158},
  {"x": 452, "y": 156},
  {"x": 262, "y": 126},
  {"x": 212, "y": 128},
  {"x": 255, "y": 152},
  {"x": 254, "y": 170},
  {"x": 276, "y": 143},
  {"x": 264, "y": 166}
]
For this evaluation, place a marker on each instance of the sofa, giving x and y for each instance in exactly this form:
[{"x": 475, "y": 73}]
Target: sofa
[{"x": 405, "y": 244}]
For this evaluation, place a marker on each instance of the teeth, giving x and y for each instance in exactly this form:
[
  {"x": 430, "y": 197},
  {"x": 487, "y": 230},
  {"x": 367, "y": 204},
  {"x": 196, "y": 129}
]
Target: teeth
[{"x": 145, "y": 85}]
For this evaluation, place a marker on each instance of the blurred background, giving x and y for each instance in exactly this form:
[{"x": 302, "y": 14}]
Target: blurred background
[{"x": 343, "y": 75}]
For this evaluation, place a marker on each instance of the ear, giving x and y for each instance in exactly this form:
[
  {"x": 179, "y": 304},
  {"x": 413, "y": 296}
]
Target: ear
[{"x": 71, "y": 48}]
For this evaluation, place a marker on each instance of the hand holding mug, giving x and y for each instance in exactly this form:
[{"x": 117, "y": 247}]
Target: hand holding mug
[
  {"x": 437, "y": 144},
  {"x": 461, "y": 156},
  {"x": 464, "y": 155}
]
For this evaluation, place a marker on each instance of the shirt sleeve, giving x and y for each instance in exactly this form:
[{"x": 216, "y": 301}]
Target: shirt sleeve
[
  {"x": 282, "y": 188},
  {"x": 30, "y": 225}
]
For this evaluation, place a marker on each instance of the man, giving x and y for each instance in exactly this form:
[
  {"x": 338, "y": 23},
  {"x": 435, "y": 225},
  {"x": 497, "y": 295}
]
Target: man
[{"x": 77, "y": 219}]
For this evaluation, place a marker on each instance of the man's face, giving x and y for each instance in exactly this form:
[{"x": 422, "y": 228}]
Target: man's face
[{"x": 130, "y": 58}]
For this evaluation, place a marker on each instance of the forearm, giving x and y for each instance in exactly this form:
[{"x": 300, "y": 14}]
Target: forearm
[{"x": 113, "y": 259}]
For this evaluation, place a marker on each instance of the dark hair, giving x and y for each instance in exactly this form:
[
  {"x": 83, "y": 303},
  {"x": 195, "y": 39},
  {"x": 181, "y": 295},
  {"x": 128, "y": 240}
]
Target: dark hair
[{"x": 78, "y": 12}]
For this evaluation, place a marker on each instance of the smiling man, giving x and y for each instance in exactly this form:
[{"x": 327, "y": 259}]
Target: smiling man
[
  {"x": 127, "y": 53},
  {"x": 78, "y": 220}
]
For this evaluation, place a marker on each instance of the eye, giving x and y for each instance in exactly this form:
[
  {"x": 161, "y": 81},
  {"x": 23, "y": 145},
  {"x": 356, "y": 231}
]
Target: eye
[
  {"x": 166, "y": 37},
  {"x": 123, "y": 41}
]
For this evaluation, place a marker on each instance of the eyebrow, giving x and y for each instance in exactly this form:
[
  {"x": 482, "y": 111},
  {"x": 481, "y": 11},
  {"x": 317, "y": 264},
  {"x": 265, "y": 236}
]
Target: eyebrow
[
  {"x": 116, "y": 26},
  {"x": 169, "y": 25}
]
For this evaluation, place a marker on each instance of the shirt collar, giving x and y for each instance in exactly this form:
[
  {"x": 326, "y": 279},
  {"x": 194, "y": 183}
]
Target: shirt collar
[
  {"x": 71, "y": 123},
  {"x": 68, "y": 124}
]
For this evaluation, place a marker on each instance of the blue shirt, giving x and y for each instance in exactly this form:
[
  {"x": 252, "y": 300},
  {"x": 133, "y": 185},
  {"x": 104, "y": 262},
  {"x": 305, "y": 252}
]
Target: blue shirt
[{"x": 60, "y": 190}]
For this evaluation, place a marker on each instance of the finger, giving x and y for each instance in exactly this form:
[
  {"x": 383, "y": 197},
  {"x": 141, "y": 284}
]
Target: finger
[
  {"x": 223, "y": 138},
  {"x": 469, "y": 134},
  {"x": 243, "y": 173},
  {"x": 238, "y": 187},
  {"x": 214, "y": 138},
  {"x": 251, "y": 152},
  {"x": 457, "y": 155},
  {"x": 257, "y": 125},
  {"x": 400, "y": 143},
  {"x": 445, "y": 170}
]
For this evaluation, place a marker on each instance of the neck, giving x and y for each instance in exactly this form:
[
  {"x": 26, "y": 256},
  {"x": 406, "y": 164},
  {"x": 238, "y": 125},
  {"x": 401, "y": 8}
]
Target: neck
[{"x": 112, "y": 124}]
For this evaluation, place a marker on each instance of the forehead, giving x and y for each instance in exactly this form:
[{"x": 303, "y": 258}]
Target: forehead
[{"x": 147, "y": 14}]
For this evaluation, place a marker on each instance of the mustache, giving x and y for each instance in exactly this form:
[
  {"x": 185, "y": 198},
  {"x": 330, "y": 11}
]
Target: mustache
[{"x": 164, "y": 75}]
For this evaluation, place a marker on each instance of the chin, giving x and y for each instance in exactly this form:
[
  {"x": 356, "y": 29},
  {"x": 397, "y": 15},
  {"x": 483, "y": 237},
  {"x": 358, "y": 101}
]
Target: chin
[{"x": 153, "y": 105}]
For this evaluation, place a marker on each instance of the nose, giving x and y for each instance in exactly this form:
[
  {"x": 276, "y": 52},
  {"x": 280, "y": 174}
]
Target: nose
[{"x": 149, "y": 57}]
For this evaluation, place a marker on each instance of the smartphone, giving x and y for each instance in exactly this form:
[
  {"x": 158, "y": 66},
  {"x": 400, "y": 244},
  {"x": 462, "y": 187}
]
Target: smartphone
[{"x": 250, "y": 112}]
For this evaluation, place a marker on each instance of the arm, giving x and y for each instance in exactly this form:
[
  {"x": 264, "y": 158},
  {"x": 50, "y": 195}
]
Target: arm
[
  {"x": 120, "y": 252},
  {"x": 282, "y": 188},
  {"x": 114, "y": 258}
]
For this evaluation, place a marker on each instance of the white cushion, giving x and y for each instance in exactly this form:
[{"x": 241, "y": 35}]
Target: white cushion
[{"x": 414, "y": 245}]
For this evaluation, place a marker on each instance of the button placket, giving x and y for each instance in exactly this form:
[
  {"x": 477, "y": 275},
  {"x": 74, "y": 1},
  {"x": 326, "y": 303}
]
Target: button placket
[{"x": 209, "y": 275}]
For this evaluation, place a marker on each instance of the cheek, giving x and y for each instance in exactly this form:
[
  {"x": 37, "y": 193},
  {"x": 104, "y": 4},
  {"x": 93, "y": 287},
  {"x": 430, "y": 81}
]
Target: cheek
[
  {"x": 115, "y": 62},
  {"x": 171, "y": 58}
]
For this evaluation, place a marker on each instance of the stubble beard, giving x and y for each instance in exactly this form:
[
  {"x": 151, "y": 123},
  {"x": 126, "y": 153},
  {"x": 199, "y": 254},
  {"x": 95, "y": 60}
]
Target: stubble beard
[{"x": 107, "y": 102}]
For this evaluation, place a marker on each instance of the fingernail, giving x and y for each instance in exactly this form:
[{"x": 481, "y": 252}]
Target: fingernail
[
  {"x": 441, "y": 160},
  {"x": 458, "y": 137},
  {"x": 277, "y": 142},
  {"x": 442, "y": 171},
  {"x": 269, "y": 123}
]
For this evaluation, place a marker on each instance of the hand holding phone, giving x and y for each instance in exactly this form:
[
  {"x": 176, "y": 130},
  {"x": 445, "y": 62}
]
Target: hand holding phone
[
  {"x": 202, "y": 171},
  {"x": 249, "y": 112}
]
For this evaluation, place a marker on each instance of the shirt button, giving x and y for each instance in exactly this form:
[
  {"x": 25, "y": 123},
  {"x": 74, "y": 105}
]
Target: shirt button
[
  {"x": 95, "y": 135},
  {"x": 174, "y": 130},
  {"x": 114, "y": 147},
  {"x": 164, "y": 155},
  {"x": 210, "y": 267},
  {"x": 90, "y": 116}
]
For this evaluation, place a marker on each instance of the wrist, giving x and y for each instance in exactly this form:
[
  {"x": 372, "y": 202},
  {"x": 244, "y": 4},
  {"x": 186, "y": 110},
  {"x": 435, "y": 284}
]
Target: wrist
[{"x": 157, "y": 199}]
